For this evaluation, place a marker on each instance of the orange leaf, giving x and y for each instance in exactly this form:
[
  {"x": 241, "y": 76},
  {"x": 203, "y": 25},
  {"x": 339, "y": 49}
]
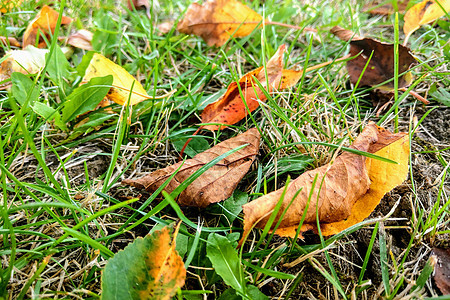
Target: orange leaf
[
  {"x": 8, "y": 5},
  {"x": 217, "y": 183},
  {"x": 218, "y": 20},
  {"x": 352, "y": 187},
  {"x": 44, "y": 23},
  {"x": 231, "y": 108},
  {"x": 422, "y": 13},
  {"x": 5, "y": 41}
]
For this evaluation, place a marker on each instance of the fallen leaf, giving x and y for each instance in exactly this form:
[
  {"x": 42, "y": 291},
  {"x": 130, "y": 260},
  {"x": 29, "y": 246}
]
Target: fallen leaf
[
  {"x": 8, "y": 5},
  {"x": 43, "y": 23},
  {"x": 165, "y": 27},
  {"x": 423, "y": 13},
  {"x": 377, "y": 8},
  {"x": 138, "y": 4},
  {"x": 216, "y": 21},
  {"x": 442, "y": 270},
  {"x": 100, "y": 66},
  {"x": 217, "y": 183},
  {"x": 352, "y": 187},
  {"x": 381, "y": 65},
  {"x": 231, "y": 108},
  {"x": 5, "y": 41},
  {"x": 81, "y": 39},
  {"x": 148, "y": 268},
  {"x": 31, "y": 60}
]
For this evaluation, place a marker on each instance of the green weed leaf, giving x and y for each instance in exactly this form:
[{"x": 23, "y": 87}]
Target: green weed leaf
[
  {"x": 86, "y": 97},
  {"x": 225, "y": 261}
]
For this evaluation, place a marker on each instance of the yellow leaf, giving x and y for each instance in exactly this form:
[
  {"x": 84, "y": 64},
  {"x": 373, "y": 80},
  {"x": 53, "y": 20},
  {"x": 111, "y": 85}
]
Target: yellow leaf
[
  {"x": 122, "y": 80},
  {"x": 8, "y": 5},
  {"x": 422, "y": 13},
  {"x": 217, "y": 20}
]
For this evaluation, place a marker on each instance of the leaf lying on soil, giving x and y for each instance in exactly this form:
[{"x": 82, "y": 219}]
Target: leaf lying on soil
[
  {"x": 217, "y": 183},
  {"x": 43, "y": 23},
  {"x": 216, "y": 21},
  {"x": 148, "y": 268},
  {"x": 442, "y": 270},
  {"x": 100, "y": 66},
  {"x": 352, "y": 187},
  {"x": 423, "y": 13},
  {"x": 381, "y": 65}
]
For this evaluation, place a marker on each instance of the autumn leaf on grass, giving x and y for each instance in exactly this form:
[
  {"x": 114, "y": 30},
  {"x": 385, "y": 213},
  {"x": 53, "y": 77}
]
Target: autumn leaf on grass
[
  {"x": 138, "y": 4},
  {"x": 353, "y": 185},
  {"x": 100, "y": 66},
  {"x": 217, "y": 20},
  {"x": 43, "y": 23},
  {"x": 380, "y": 7},
  {"x": 423, "y": 13},
  {"x": 148, "y": 268},
  {"x": 231, "y": 108},
  {"x": 381, "y": 65},
  {"x": 81, "y": 39},
  {"x": 217, "y": 183},
  {"x": 31, "y": 60}
]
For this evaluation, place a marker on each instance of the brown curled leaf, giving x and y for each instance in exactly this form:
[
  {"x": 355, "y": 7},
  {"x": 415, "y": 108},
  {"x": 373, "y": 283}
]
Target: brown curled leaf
[
  {"x": 352, "y": 187},
  {"x": 217, "y": 183},
  {"x": 381, "y": 65}
]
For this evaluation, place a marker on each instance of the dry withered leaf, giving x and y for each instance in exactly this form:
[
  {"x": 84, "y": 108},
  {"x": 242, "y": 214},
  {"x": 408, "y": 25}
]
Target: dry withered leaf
[
  {"x": 5, "y": 41},
  {"x": 217, "y": 183},
  {"x": 381, "y": 65},
  {"x": 217, "y": 20},
  {"x": 353, "y": 185},
  {"x": 382, "y": 8},
  {"x": 423, "y": 13},
  {"x": 442, "y": 270},
  {"x": 43, "y": 23},
  {"x": 138, "y": 4},
  {"x": 81, "y": 39}
]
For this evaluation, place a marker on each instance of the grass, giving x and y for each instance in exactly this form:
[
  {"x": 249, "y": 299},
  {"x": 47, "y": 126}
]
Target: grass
[{"x": 64, "y": 212}]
